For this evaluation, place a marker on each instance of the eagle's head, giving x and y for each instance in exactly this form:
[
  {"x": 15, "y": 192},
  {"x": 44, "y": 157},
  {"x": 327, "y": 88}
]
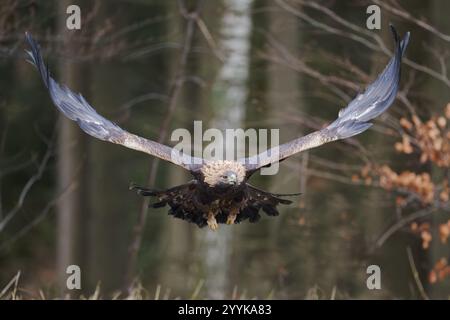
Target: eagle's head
[
  {"x": 228, "y": 178},
  {"x": 223, "y": 173}
]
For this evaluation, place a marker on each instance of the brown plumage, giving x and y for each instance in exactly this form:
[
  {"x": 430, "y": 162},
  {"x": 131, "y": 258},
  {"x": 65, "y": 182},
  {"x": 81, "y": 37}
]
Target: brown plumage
[
  {"x": 219, "y": 192},
  {"x": 195, "y": 204}
]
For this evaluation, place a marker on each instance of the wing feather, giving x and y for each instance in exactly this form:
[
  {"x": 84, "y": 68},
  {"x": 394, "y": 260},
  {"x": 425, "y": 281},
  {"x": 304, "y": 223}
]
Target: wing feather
[
  {"x": 352, "y": 120},
  {"x": 76, "y": 108}
]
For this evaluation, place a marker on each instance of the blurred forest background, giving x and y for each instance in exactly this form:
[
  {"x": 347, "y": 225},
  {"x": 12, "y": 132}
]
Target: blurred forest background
[{"x": 154, "y": 66}]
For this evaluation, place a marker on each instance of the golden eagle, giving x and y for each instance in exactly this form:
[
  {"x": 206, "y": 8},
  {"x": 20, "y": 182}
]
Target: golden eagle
[{"x": 219, "y": 191}]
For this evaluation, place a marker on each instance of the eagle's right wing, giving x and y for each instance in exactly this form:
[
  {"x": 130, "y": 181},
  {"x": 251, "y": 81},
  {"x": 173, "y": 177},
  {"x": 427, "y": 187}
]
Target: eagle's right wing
[{"x": 76, "y": 108}]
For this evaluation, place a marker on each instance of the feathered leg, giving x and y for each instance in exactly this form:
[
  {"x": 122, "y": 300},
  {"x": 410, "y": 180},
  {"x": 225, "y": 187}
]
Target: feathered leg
[
  {"x": 232, "y": 215},
  {"x": 212, "y": 222}
]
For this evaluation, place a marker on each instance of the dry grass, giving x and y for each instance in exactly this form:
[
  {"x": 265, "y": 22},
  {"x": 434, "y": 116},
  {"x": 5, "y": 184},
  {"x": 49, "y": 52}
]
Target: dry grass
[{"x": 13, "y": 291}]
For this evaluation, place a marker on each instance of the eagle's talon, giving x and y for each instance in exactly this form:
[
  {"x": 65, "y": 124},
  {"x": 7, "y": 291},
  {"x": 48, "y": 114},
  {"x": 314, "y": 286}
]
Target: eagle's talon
[
  {"x": 231, "y": 219},
  {"x": 212, "y": 223}
]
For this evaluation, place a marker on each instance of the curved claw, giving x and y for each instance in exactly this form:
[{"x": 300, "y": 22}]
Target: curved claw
[{"x": 212, "y": 222}]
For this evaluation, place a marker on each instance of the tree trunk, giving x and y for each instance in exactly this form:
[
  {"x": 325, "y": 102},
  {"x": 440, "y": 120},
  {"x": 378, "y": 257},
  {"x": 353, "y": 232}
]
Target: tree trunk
[
  {"x": 228, "y": 102},
  {"x": 71, "y": 167}
]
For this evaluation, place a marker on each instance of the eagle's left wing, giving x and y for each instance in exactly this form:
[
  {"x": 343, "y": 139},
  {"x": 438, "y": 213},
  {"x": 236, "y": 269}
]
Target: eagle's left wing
[
  {"x": 351, "y": 121},
  {"x": 76, "y": 108}
]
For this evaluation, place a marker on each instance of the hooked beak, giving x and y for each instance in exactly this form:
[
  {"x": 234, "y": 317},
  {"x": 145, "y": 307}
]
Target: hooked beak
[{"x": 232, "y": 179}]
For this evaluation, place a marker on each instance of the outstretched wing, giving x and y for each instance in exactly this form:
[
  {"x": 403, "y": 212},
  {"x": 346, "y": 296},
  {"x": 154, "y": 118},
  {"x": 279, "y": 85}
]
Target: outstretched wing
[
  {"x": 76, "y": 108},
  {"x": 352, "y": 120}
]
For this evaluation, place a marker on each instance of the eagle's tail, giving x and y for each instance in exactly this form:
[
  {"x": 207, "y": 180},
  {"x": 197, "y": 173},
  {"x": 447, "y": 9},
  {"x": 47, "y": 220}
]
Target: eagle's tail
[
  {"x": 179, "y": 199},
  {"x": 258, "y": 199},
  {"x": 164, "y": 196}
]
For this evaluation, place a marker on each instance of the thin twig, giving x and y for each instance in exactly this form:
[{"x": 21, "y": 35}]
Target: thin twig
[
  {"x": 401, "y": 223},
  {"x": 409, "y": 17},
  {"x": 24, "y": 193},
  {"x": 14, "y": 282},
  {"x": 379, "y": 46},
  {"x": 416, "y": 275},
  {"x": 40, "y": 217}
]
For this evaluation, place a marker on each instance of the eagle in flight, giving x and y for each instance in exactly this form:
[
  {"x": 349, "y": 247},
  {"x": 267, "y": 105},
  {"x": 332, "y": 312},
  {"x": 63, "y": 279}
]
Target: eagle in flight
[{"x": 219, "y": 191}]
